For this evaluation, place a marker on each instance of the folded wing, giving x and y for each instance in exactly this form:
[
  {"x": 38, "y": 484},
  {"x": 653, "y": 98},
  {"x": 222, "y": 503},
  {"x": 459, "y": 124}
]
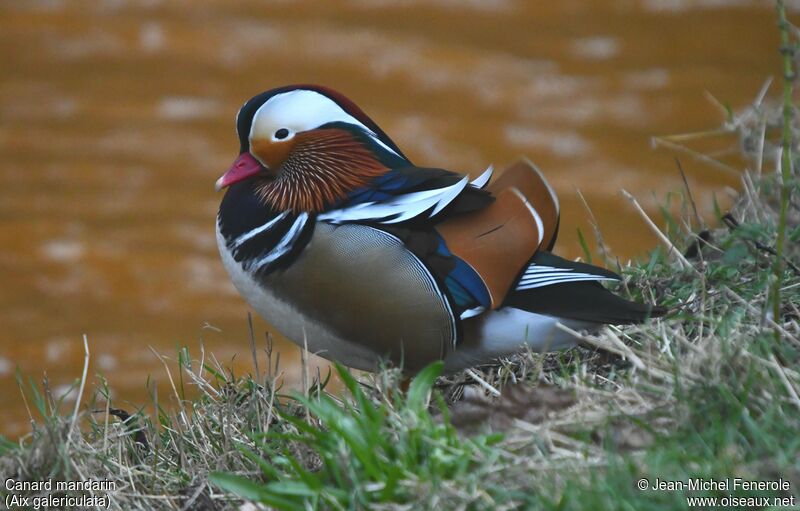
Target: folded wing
[{"x": 498, "y": 240}]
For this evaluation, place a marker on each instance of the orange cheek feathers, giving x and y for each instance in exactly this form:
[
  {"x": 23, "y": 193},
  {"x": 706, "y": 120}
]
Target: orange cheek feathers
[{"x": 271, "y": 154}]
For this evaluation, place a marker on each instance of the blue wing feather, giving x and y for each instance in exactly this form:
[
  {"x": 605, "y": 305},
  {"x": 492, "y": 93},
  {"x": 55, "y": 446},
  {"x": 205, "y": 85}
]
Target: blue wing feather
[{"x": 464, "y": 283}]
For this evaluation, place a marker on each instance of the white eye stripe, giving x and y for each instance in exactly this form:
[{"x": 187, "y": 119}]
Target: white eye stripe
[{"x": 302, "y": 110}]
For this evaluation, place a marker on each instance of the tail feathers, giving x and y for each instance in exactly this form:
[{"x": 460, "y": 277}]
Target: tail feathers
[{"x": 585, "y": 301}]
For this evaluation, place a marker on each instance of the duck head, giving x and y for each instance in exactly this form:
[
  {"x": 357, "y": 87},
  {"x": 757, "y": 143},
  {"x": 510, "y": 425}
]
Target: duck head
[{"x": 306, "y": 147}]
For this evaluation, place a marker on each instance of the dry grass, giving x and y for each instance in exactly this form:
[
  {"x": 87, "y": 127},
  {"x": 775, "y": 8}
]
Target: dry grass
[{"x": 710, "y": 391}]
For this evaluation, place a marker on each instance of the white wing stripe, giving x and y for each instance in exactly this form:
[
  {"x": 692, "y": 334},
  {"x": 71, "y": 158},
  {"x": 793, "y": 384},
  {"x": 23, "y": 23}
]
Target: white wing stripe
[
  {"x": 566, "y": 278},
  {"x": 400, "y": 208},
  {"x": 535, "y": 268},
  {"x": 448, "y": 196},
  {"x": 547, "y": 275},
  {"x": 539, "y": 276},
  {"x": 536, "y": 217},
  {"x": 483, "y": 179},
  {"x": 547, "y": 282},
  {"x": 539, "y": 224}
]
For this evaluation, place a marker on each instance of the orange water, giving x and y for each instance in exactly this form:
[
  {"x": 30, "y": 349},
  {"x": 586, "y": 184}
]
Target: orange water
[{"x": 116, "y": 118}]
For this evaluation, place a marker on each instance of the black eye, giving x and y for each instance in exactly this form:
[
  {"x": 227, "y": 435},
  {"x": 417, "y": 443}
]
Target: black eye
[{"x": 281, "y": 133}]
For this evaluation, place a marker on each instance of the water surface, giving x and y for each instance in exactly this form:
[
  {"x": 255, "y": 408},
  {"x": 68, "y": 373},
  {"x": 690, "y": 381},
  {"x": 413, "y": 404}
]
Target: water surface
[{"x": 116, "y": 118}]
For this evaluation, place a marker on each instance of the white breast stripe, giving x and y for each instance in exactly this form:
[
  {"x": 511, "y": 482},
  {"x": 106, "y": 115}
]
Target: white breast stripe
[
  {"x": 399, "y": 208},
  {"x": 285, "y": 244},
  {"x": 258, "y": 230},
  {"x": 483, "y": 180}
]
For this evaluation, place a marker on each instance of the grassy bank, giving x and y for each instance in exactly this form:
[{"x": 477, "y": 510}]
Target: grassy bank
[{"x": 708, "y": 393}]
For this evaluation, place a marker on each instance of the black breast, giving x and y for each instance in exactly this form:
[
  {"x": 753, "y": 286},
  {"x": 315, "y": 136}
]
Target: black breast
[{"x": 259, "y": 237}]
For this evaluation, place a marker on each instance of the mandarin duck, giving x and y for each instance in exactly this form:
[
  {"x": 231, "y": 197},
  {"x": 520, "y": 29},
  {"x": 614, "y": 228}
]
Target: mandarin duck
[{"x": 343, "y": 245}]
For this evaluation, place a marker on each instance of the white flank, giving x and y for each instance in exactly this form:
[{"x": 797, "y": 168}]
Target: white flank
[{"x": 505, "y": 331}]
